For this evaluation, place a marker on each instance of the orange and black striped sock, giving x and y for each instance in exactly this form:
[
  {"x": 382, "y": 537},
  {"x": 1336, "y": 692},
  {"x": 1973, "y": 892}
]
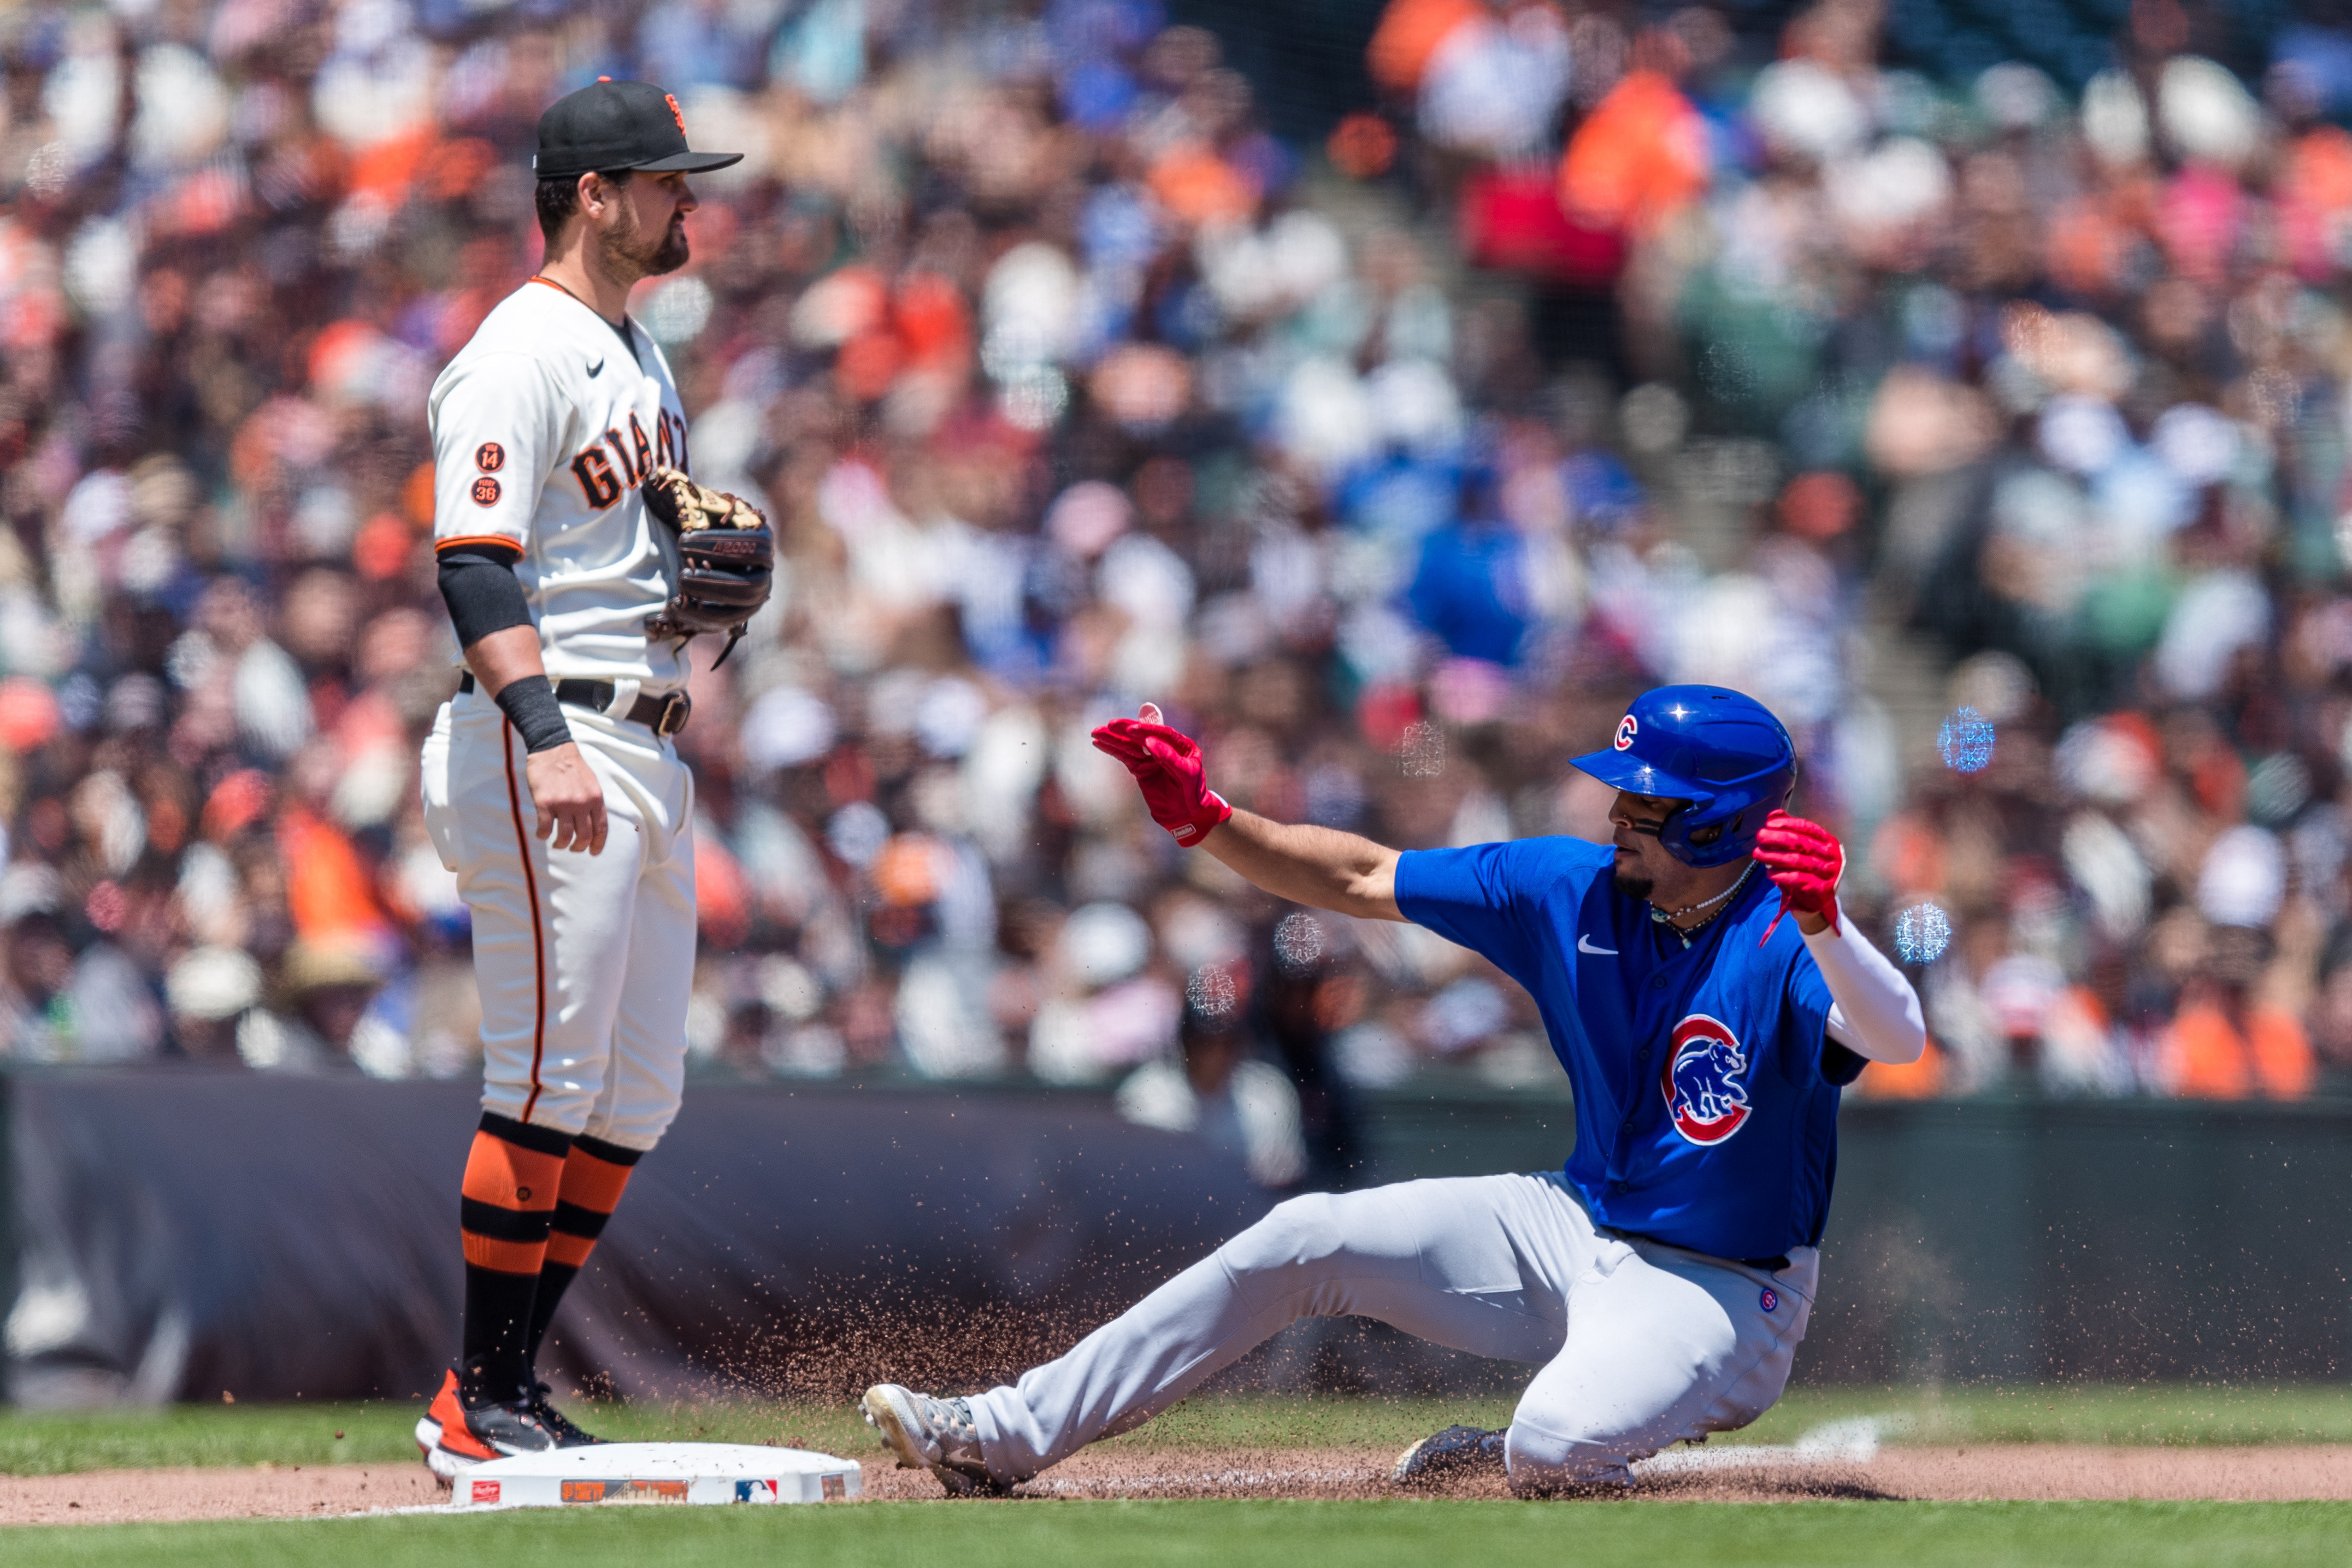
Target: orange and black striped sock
[
  {"x": 514, "y": 1180},
  {"x": 595, "y": 1174}
]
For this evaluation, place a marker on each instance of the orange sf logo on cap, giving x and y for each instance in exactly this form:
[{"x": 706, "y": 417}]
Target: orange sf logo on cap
[{"x": 675, "y": 112}]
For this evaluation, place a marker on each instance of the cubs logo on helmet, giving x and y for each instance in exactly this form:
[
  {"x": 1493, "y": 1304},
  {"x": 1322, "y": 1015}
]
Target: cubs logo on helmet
[
  {"x": 1705, "y": 1096},
  {"x": 1719, "y": 752}
]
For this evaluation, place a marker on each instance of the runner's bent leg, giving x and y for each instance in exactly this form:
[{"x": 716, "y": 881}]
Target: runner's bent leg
[
  {"x": 1662, "y": 1345},
  {"x": 1479, "y": 1264}
]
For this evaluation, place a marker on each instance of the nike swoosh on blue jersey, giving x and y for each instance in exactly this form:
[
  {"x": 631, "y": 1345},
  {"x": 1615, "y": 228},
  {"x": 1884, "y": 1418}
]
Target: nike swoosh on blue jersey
[
  {"x": 596, "y": 369},
  {"x": 1584, "y": 944}
]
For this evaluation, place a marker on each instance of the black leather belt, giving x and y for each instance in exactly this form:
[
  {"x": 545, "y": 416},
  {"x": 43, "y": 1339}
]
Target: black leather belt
[
  {"x": 662, "y": 715},
  {"x": 1769, "y": 1264}
]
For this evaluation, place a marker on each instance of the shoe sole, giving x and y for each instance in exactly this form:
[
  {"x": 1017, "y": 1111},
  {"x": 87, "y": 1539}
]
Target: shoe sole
[
  {"x": 445, "y": 1466},
  {"x": 884, "y": 1416},
  {"x": 1402, "y": 1474}
]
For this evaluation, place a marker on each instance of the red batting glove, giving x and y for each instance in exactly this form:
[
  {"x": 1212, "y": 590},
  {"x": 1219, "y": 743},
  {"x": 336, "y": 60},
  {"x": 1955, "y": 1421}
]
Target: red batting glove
[
  {"x": 1805, "y": 861},
  {"x": 1168, "y": 765}
]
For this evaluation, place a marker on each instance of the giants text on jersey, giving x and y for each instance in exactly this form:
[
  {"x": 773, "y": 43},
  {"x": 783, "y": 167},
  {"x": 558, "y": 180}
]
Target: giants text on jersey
[{"x": 543, "y": 428}]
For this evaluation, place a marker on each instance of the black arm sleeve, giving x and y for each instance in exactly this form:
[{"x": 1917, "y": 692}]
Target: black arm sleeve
[{"x": 478, "y": 585}]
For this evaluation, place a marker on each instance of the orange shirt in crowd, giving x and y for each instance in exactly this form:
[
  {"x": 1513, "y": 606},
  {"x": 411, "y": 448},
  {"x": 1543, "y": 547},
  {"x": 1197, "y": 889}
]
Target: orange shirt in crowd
[
  {"x": 328, "y": 896},
  {"x": 1410, "y": 34},
  {"x": 1639, "y": 158},
  {"x": 1922, "y": 1079},
  {"x": 2206, "y": 1058}
]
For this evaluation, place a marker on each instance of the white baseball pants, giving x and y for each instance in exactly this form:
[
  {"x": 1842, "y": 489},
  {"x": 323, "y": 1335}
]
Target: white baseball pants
[
  {"x": 585, "y": 961},
  {"x": 1641, "y": 1344}
]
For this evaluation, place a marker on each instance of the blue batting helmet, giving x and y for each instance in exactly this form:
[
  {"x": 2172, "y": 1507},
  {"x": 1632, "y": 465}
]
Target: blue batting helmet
[{"x": 1722, "y": 751}]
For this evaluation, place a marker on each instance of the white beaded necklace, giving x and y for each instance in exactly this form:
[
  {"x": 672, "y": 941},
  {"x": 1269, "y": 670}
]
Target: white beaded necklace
[{"x": 1666, "y": 918}]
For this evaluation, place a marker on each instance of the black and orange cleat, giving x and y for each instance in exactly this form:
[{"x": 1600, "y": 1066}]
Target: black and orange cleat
[
  {"x": 558, "y": 1424},
  {"x": 457, "y": 1432}
]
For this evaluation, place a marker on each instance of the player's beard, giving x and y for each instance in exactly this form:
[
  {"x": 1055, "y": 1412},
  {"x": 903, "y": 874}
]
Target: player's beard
[
  {"x": 1628, "y": 880},
  {"x": 628, "y": 254}
]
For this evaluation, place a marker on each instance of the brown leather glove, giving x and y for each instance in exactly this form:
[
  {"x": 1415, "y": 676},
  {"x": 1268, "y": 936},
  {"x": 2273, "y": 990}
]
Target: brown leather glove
[{"x": 726, "y": 558}]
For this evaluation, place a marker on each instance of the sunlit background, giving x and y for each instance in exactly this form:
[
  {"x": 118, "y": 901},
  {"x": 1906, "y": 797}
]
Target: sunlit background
[{"x": 1389, "y": 394}]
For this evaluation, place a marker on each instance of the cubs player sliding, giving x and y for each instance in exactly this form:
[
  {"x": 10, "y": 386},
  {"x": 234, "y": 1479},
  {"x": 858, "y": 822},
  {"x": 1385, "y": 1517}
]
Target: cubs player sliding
[
  {"x": 577, "y": 560},
  {"x": 1664, "y": 1278}
]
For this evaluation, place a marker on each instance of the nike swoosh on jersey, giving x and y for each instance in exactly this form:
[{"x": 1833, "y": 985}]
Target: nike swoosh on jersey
[
  {"x": 1584, "y": 944},
  {"x": 596, "y": 369}
]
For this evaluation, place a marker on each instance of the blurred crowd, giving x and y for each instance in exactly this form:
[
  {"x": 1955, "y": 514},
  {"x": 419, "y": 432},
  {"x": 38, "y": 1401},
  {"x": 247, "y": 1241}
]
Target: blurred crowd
[{"x": 1599, "y": 349}]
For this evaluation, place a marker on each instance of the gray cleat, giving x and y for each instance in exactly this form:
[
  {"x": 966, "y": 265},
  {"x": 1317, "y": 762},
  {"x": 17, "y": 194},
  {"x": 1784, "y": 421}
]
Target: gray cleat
[
  {"x": 928, "y": 1433},
  {"x": 1455, "y": 1452}
]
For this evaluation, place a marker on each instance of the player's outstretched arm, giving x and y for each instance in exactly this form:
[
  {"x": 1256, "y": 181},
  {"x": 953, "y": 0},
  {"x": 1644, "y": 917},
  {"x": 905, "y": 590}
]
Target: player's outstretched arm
[
  {"x": 1317, "y": 866},
  {"x": 564, "y": 791},
  {"x": 1308, "y": 864}
]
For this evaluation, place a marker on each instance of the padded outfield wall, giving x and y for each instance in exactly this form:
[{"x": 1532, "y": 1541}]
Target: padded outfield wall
[
  {"x": 178, "y": 1234},
  {"x": 2029, "y": 1239}
]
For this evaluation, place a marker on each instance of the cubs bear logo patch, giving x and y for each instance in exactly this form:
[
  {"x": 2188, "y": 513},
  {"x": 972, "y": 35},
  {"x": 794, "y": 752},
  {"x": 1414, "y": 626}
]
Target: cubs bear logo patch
[
  {"x": 1627, "y": 728},
  {"x": 490, "y": 457},
  {"x": 1705, "y": 1097},
  {"x": 486, "y": 492}
]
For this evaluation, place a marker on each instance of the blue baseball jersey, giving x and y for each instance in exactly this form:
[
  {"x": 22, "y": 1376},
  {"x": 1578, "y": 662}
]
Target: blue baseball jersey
[{"x": 1705, "y": 1115}]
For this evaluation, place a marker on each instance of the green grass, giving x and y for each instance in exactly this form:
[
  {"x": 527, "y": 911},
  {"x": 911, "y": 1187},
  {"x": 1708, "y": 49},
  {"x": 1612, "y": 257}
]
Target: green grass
[
  {"x": 1359, "y": 1534},
  {"x": 2162, "y": 1414},
  {"x": 2175, "y": 1415},
  {"x": 52, "y": 1443},
  {"x": 37, "y": 1443}
]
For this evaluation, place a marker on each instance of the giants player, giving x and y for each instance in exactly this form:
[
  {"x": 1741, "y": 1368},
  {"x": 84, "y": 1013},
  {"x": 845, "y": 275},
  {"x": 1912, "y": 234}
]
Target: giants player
[
  {"x": 551, "y": 783},
  {"x": 1663, "y": 1279}
]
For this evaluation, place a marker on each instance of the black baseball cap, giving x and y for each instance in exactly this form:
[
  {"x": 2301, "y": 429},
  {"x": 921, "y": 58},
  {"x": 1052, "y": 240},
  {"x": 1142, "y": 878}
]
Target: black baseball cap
[{"x": 613, "y": 124}]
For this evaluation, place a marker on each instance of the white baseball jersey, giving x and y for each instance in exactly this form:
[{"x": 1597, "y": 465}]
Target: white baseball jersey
[{"x": 544, "y": 426}]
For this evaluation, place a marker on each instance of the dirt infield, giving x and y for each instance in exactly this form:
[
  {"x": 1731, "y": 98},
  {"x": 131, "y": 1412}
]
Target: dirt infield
[
  {"x": 258, "y": 1492},
  {"x": 2050, "y": 1472},
  {"x": 2041, "y": 1473}
]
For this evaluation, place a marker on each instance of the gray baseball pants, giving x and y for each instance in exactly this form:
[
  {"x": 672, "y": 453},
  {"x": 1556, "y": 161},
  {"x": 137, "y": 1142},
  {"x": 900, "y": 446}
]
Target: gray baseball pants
[{"x": 1641, "y": 1344}]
